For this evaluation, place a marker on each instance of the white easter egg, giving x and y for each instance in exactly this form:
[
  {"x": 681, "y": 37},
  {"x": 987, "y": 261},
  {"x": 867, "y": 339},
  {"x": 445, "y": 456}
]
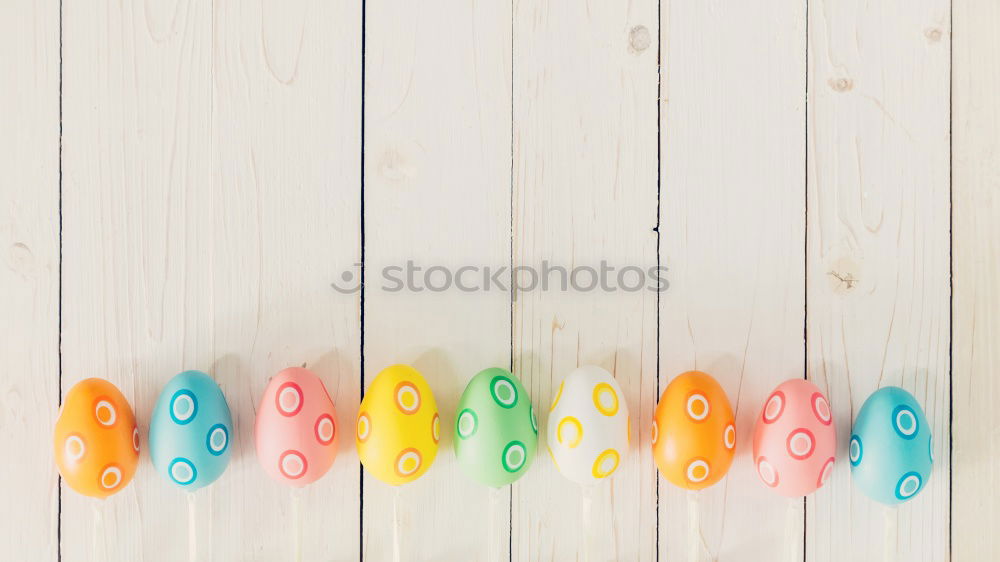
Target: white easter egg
[{"x": 589, "y": 426}]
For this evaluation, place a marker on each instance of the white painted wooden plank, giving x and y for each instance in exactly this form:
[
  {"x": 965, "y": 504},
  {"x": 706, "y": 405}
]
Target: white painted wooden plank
[
  {"x": 878, "y": 252},
  {"x": 136, "y": 203},
  {"x": 287, "y": 175},
  {"x": 437, "y": 192},
  {"x": 204, "y": 221},
  {"x": 733, "y": 235},
  {"x": 29, "y": 275},
  {"x": 976, "y": 306},
  {"x": 585, "y": 153}
]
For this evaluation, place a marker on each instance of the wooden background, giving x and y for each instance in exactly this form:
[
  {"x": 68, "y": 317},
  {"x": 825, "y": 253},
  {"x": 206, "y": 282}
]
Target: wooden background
[{"x": 181, "y": 182}]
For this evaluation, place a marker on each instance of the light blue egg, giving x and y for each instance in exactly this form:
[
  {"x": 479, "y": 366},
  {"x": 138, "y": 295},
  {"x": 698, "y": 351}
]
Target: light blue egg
[
  {"x": 190, "y": 431},
  {"x": 890, "y": 449}
]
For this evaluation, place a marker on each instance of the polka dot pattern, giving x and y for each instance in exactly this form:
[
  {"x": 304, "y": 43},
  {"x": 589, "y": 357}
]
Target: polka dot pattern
[
  {"x": 296, "y": 430},
  {"x": 95, "y": 440},
  {"x": 795, "y": 437},
  {"x": 890, "y": 449},
  {"x": 496, "y": 432},
  {"x": 189, "y": 431},
  {"x": 694, "y": 431},
  {"x": 183, "y": 407},
  {"x": 589, "y": 425},
  {"x": 398, "y": 426},
  {"x": 183, "y": 472}
]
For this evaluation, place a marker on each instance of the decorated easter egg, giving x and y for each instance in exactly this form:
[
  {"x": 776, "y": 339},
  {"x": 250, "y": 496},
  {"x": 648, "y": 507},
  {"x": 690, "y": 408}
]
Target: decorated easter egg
[
  {"x": 190, "y": 430},
  {"x": 589, "y": 425},
  {"x": 794, "y": 440},
  {"x": 891, "y": 447},
  {"x": 398, "y": 427},
  {"x": 694, "y": 433},
  {"x": 96, "y": 440},
  {"x": 295, "y": 432},
  {"x": 496, "y": 432}
]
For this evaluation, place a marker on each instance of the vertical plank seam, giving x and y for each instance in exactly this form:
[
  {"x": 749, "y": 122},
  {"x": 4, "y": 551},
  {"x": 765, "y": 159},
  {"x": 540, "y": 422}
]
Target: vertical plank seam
[
  {"x": 510, "y": 491},
  {"x": 951, "y": 270},
  {"x": 805, "y": 259},
  {"x": 60, "y": 282},
  {"x": 361, "y": 351},
  {"x": 659, "y": 105}
]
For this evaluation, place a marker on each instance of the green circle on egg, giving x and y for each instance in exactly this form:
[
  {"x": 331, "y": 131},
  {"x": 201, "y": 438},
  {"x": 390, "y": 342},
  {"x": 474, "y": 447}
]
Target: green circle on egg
[{"x": 495, "y": 430}]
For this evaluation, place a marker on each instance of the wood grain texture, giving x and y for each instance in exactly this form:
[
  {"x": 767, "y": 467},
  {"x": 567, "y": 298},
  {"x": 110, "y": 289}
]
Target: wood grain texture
[
  {"x": 211, "y": 196},
  {"x": 878, "y": 253},
  {"x": 29, "y": 276},
  {"x": 585, "y": 88},
  {"x": 136, "y": 203},
  {"x": 976, "y": 281},
  {"x": 287, "y": 174},
  {"x": 733, "y": 234},
  {"x": 437, "y": 193}
]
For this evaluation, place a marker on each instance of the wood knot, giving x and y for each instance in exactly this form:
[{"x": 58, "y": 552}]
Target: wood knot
[
  {"x": 638, "y": 39},
  {"x": 841, "y": 84}
]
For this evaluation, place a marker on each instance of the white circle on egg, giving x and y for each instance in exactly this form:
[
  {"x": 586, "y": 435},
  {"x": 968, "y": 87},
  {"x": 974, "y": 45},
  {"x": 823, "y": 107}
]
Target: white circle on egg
[
  {"x": 773, "y": 408},
  {"x": 183, "y": 407},
  {"x": 767, "y": 472},
  {"x": 855, "y": 450},
  {"x": 821, "y": 408},
  {"x": 801, "y": 443},
  {"x": 105, "y": 413},
  {"x": 292, "y": 464},
  {"x": 905, "y": 422},
  {"x": 407, "y": 398},
  {"x": 74, "y": 448},
  {"x": 825, "y": 472},
  {"x": 908, "y": 485},
  {"x": 697, "y": 407},
  {"x": 111, "y": 477},
  {"x": 697, "y": 471},
  {"x": 135, "y": 439},
  {"x": 730, "y": 436},
  {"x": 656, "y": 432},
  {"x": 218, "y": 438},
  {"x": 324, "y": 429},
  {"x": 408, "y": 462},
  {"x": 364, "y": 427},
  {"x": 289, "y": 399},
  {"x": 182, "y": 471}
]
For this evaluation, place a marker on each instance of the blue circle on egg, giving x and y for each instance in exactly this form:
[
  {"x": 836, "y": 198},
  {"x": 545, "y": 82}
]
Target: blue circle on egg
[
  {"x": 189, "y": 431},
  {"x": 890, "y": 445}
]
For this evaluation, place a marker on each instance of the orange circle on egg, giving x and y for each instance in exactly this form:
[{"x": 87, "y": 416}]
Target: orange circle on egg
[{"x": 694, "y": 431}]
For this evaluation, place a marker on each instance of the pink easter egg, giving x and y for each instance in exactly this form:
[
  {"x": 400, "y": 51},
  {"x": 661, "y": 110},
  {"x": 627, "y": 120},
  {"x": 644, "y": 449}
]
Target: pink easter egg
[
  {"x": 795, "y": 441},
  {"x": 296, "y": 428}
]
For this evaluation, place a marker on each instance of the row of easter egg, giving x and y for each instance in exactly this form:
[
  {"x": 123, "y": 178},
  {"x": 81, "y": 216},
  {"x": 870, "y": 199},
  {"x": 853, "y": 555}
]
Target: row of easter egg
[{"x": 398, "y": 429}]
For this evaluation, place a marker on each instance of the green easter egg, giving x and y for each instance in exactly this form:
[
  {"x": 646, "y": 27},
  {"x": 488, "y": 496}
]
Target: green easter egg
[{"x": 496, "y": 432}]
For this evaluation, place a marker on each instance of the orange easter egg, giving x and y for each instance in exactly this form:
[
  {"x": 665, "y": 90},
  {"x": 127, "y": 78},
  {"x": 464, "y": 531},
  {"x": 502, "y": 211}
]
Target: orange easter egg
[
  {"x": 694, "y": 433},
  {"x": 96, "y": 440}
]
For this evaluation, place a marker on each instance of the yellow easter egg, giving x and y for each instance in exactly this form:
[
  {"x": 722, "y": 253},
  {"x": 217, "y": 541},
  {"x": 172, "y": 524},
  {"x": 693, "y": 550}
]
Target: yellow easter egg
[{"x": 398, "y": 426}]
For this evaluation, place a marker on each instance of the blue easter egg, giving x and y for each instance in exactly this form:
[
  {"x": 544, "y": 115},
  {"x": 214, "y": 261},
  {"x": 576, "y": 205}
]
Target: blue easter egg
[
  {"x": 890, "y": 449},
  {"x": 190, "y": 431}
]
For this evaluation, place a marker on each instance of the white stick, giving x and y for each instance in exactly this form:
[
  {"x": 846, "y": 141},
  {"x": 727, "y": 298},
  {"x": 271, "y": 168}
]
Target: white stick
[
  {"x": 296, "y": 525},
  {"x": 395, "y": 526},
  {"x": 496, "y": 535},
  {"x": 890, "y": 533},
  {"x": 792, "y": 530},
  {"x": 696, "y": 540},
  {"x": 587, "y": 502},
  {"x": 98, "y": 519},
  {"x": 192, "y": 529}
]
